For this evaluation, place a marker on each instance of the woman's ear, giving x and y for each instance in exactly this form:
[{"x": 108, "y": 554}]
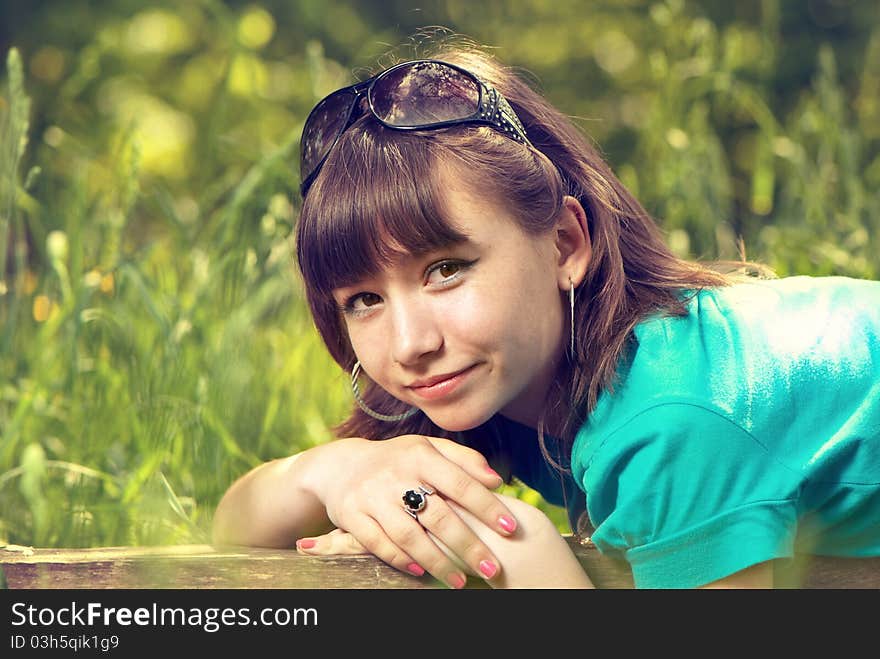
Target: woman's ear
[{"x": 572, "y": 243}]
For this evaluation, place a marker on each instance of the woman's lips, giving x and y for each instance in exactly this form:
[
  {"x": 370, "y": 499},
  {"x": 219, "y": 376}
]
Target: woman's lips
[{"x": 440, "y": 386}]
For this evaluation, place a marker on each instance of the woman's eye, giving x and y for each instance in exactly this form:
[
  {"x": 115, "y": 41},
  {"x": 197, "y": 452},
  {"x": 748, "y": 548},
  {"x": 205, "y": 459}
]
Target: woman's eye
[
  {"x": 362, "y": 302},
  {"x": 368, "y": 299},
  {"x": 446, "y": 271}
]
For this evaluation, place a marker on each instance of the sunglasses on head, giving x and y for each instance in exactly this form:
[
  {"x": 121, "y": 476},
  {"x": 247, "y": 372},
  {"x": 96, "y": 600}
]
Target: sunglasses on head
[{"x": 416, "y": 95}]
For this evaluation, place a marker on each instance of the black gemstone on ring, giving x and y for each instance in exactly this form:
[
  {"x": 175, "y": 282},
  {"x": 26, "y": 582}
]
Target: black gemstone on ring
[{"x": 413, "y": 500}]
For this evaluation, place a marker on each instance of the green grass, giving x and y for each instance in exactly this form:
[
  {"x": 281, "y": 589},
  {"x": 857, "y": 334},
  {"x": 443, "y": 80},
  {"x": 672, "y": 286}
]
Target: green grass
[{"x": 140, "y": 377}]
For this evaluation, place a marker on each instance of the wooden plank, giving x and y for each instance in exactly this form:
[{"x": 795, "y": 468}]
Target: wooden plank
[
  {"x": 203, "y": 566},
  {"x": 198, "y": 566},
  {"x": 828, "y": 572}
]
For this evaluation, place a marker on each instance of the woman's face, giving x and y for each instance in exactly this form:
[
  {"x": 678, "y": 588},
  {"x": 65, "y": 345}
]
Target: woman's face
[{"x": 468, "y": 330}]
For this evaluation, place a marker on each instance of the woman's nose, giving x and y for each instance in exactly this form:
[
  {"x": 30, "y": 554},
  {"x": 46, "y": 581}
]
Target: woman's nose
[{"x": 415, "y": 332}]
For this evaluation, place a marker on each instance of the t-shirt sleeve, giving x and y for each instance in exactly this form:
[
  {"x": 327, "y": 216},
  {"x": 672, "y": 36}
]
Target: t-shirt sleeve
[{"x": 688, "y": 497}]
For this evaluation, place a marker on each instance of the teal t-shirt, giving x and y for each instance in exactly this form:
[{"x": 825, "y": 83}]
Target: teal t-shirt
[{"x": 746, "y": 431}]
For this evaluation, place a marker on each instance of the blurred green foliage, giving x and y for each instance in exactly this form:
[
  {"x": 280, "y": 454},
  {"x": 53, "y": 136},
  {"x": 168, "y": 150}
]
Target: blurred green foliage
[{"x": 154, "y": 343}]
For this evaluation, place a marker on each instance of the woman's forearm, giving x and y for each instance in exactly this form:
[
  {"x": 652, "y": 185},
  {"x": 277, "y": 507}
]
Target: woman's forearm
[{"x": 272, "y": 505}]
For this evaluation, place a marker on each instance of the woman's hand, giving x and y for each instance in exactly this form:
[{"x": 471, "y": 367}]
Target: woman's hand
[
  {"x": 361, "y": 484},
  {"x": 538, "y": 557}
]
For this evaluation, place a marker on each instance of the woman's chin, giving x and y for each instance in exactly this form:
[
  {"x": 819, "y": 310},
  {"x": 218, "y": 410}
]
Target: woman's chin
[{"x": 457, "y": 421}]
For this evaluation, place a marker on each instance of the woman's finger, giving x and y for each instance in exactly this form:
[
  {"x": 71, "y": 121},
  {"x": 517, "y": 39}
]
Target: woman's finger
[
  {"x": 457, "y": 484},
  {"x": 406, "y": 533},
  {"x": 404, "y": 545},
  {"x": 402, "y": 542},
  {"x": 457, "y": 541},
  {"x": 470, "y": 460},
  {"x": 335, "y": 543}
]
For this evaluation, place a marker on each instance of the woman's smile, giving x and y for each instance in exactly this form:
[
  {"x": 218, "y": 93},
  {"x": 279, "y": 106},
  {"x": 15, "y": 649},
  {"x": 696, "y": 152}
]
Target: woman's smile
[{"x": 441, "y": 386}]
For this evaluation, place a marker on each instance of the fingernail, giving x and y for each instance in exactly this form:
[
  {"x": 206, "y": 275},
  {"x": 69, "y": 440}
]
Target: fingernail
[
  {"x": 492, "y": 472},
  {"x": 305, "y": 543},
  {"x": 456, "y": 581},
  {"x": 488, "y": 568},
  {"x": 416, "y": 569},
  {"x": 507, "y": 523}
]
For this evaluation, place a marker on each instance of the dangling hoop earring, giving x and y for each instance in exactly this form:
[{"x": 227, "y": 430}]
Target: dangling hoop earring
[
  {"x": 355, "y": 371},
  {"x": 571, "y": 315}
]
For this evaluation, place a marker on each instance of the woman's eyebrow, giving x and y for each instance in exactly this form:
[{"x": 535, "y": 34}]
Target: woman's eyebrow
[{"x": 421, "y": 254}]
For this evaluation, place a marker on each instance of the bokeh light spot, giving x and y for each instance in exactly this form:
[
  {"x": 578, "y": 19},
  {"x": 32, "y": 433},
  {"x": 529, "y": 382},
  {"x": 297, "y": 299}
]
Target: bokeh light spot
[
  {"x": 42, "y": 308},
  {"x": 614, "y": 52},
  {"x": 159, "y": 32},
  {"x": 48, "y": 64},
  {"x": 256, "y": 28}
]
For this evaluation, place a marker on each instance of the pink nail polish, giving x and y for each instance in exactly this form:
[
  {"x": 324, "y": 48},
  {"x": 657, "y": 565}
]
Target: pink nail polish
[
  {"x": 488, "y": 568},
  {"x": 416, "y": 569},
  {"x": 456, "y": 581},
  {"x": 305, "y": 543},
  {"x": 507, "y": 523}
]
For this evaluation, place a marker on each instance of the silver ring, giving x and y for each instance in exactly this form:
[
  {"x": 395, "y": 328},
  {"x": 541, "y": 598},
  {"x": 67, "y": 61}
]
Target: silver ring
[{"x": 414, "y": 501}]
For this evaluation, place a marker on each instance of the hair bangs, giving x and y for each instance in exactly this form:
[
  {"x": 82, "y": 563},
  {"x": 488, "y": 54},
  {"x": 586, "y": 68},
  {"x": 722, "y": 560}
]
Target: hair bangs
[{"x": 378, "y": 198}]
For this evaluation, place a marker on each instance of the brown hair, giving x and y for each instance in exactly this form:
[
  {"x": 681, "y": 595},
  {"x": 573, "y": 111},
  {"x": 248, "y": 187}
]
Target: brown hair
[{"x": 379, "y": 193}]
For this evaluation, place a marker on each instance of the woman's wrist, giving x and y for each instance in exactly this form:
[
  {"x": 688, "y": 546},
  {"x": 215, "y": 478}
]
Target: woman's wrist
[{"x": 317, "y": 466}]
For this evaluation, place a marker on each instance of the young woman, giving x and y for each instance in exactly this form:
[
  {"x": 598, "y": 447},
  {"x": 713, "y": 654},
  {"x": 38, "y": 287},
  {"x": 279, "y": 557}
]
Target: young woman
[{"x": 505, "y": 307}]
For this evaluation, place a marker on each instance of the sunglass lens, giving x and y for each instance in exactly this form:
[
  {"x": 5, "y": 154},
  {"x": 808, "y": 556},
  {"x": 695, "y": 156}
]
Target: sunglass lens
[
  {"x": 424, "y": 93},
  {"x": 322, "y": 128}
]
